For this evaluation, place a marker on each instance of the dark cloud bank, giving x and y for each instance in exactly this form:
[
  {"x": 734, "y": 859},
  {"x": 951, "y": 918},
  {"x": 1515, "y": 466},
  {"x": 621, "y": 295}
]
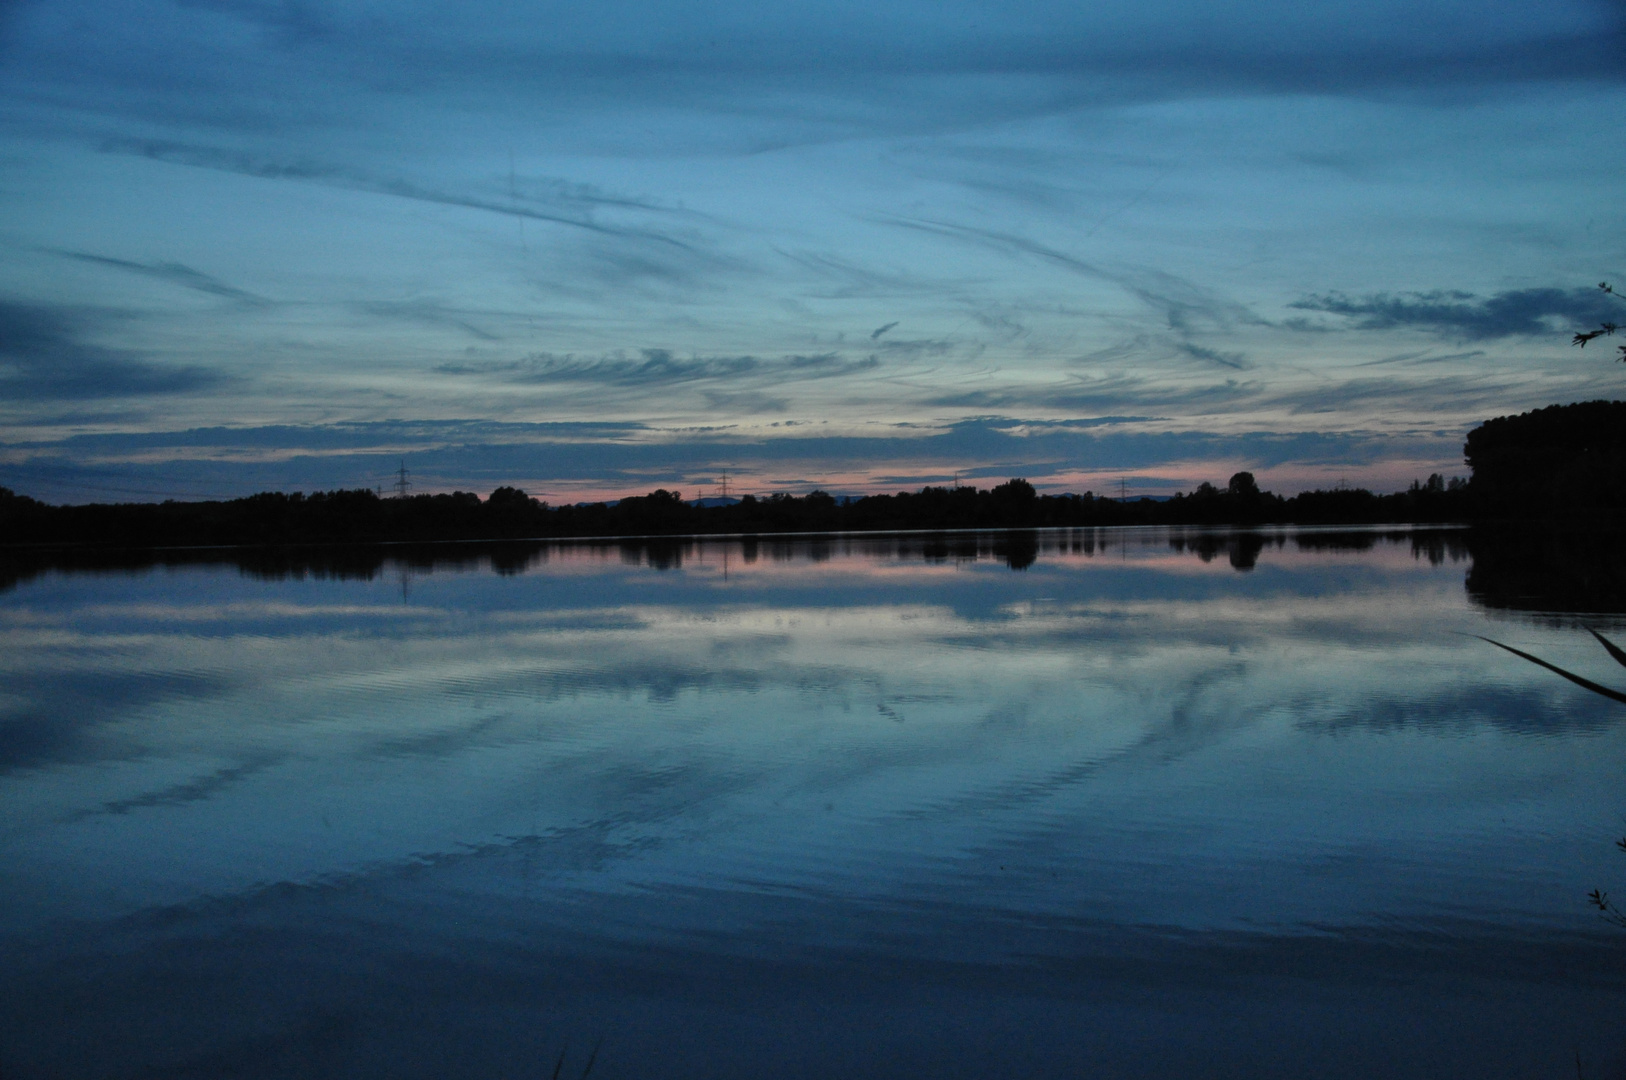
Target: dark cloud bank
[
  {"x": 45, "y": 356},
  {"x": 1460, "y": 314}
]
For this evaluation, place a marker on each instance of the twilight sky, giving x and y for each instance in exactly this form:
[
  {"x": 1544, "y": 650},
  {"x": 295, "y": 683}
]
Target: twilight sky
[{"x": 591, "y": 249}]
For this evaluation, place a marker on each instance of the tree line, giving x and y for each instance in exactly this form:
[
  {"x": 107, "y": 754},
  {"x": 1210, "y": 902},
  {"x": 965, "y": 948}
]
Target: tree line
[
  {"x": 362, "y": 516},
  {"x": 1554, "y": 462}
]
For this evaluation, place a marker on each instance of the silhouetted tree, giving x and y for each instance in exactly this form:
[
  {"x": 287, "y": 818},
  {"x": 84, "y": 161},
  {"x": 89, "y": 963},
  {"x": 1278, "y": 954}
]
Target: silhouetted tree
[
  {"x": 1015, "y": 491},
  {"x": 1562, "y": 459},
  {"x": 362, "y": 517},
  {"x": 509, "y": 497}
]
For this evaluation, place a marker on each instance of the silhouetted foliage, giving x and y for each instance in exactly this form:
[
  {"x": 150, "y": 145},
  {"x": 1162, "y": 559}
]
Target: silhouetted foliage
[
  {"x": 361, "y": 516},
  {"x": 1604, "y": 329},
  {"x": 1606, "y": 907},
  {"x": 1564, "y": 460},
  {"x": 1242, "y": 486}
]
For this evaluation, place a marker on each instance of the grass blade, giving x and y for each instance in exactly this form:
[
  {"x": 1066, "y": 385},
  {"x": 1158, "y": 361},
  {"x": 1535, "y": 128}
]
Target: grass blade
[
  {"x": 592, "y": 1058},
  {"x": 1614, "y": 650},
  {"x": 1613, "y": 695}
]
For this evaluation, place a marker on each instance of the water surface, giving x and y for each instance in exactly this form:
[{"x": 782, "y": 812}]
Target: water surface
[{"x": 1073, "y": 803}]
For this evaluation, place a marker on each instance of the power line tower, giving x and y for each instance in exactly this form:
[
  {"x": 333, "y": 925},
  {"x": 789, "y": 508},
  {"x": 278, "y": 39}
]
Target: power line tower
[
  {"x": 402, "y": 484},
  {"x": 724, "y": 488},
  {"x": 1123, "y": 490}
]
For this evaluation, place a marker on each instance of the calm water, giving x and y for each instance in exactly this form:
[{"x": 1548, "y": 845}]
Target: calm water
[{"x": 1091, "y": 803}]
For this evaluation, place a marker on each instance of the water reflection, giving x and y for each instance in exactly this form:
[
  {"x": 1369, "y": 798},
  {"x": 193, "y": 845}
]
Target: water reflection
[
  {"x": 1552, "y": 573},
  {"x": 1185, "y": 801},
  {"x": 1017, "y": 549}
]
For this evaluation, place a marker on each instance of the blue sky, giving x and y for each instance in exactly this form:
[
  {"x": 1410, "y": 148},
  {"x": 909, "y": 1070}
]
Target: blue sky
[{"x": 595, "y": 249}]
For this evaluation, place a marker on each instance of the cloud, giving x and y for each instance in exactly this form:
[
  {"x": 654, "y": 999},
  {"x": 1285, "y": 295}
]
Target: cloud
[
  {"x": 1461, "y": 394},
  {"x": 1426, "y": 356},
  {"x": 571, "y": 205},
  {"x": 821, "y": 67},
  {"x": 172, "y": 272},
  {"x": 1184, "y": 305},
  {"x": 44, "y": 357},
  {"x": 651, "y": 367},
  {"x": 1234, "y": 360},
  {"x": 429, "y": 314},
  {"x": 1505, "y": 314},
  {"x": 875, "y": 335},
  {"x": 1111, "y": 394},
  {"x": 746, "y": 401},
  {"x": 424, "y": 312},
  {"x": 223, "y": 462},
  {"x": 374, "y": 435},
  {"x": 844, "y": 279},
  {"x": 1007, "y": 243},
  {"x": 657, "y": 367}
]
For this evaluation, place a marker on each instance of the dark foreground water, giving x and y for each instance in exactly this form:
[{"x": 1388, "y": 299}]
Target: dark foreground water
[{"x": 1074, "y": 804}]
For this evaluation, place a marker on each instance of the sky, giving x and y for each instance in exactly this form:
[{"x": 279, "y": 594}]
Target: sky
[{"x": 590, "y": 250}]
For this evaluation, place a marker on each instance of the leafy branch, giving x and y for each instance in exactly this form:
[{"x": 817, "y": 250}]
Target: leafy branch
[{"x": 1604, "y": 329}]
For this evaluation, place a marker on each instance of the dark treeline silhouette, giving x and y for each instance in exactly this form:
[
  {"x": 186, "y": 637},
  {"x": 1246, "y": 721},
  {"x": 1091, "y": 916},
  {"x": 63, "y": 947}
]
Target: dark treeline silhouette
[
  {"x": 361, "y": 516},
  {"x": 1562, "y": 461}
]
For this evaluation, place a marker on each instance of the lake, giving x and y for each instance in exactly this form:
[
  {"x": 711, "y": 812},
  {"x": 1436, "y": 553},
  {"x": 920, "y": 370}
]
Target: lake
[{"x": 1082, "y": 803}]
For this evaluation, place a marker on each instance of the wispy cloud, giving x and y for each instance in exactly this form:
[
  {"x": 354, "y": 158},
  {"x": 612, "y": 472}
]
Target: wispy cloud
[
  {"x": 572, "y": 204},
  {"x": 1233, "y": 360},
  {"x": 1426, "y": 356},
  {"x": 1463, "y": 394},
  {"x": 1185, "y": 306},
  {"x": 833, "y": 277},
  {"x": 1462, "y": 314},
  {"x": 172, "y": 272},
  {"x": 431, "y": 314},
  {"x": 658, "y": 367},
  {"x": 45, "y": 356},
  {"x": 1110, "y": 393},
  {"x": 652, "y": 367}
]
